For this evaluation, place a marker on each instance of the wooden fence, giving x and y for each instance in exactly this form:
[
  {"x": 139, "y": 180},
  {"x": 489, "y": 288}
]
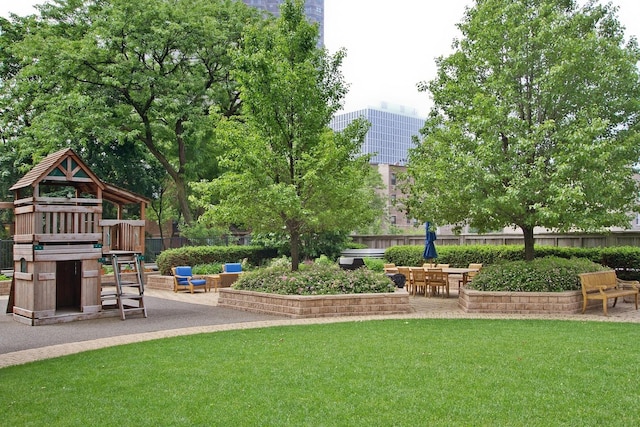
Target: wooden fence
[
  {"x": 616, "y": 238},
  {"x": 154, "y": 246}
]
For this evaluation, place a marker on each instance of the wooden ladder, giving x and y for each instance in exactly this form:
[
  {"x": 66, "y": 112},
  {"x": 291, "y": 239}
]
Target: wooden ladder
[{"x": 128, "y": 294}]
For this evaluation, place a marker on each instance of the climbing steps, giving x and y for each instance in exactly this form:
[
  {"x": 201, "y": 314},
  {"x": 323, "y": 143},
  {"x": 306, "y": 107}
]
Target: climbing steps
[{"x": 126, "y": 293}]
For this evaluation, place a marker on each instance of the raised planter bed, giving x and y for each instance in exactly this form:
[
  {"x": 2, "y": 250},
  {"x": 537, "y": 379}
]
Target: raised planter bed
[
  {"x": 472, "y": 301},
  {"x": 159, "y": 282},
  {"x": 5, "y": 287},
  {"x": 306, "y": 306}
]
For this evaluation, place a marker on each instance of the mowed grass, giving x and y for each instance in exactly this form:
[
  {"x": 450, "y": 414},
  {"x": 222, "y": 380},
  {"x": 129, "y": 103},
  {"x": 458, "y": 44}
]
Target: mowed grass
[{"x": 374, "y": 373}]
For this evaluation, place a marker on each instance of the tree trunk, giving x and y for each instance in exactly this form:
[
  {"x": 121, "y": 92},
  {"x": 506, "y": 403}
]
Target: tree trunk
[
  {"x": 295, "y": 250},
  {"x": 183, "y": 202},
  {"x": 529, "y": 253}
]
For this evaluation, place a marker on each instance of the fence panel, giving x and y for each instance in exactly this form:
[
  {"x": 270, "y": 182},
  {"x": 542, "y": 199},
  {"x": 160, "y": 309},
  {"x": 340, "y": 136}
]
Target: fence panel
[{"x": 6, "y": 254}]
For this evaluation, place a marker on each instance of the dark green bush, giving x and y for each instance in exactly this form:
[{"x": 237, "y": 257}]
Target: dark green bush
[
  {"x": 194, "y": 255},
  {"x": 410, "y": 256},
  {"x": 456, "y": 256},
  {"x": 314, "y": 280},
  {"x": 569, "y": 252},
  {"x": 354, "y": 245},
  {"x": 624, "y": 259},
  {"x": 550, "y": 274}
]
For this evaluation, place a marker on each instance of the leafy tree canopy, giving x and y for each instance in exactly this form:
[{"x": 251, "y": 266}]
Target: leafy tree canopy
[
  {"x": 535, "y": 122},
  {"x": 287, "y": 171},
  {"x": 116, "y": 71}
]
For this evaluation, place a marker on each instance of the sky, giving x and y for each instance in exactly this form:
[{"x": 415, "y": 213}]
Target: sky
[{"x": 391, "y": 45}]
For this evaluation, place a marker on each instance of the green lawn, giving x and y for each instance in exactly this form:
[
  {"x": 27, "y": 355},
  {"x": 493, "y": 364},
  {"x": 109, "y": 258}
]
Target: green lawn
[{"x": 375, "y": 373}]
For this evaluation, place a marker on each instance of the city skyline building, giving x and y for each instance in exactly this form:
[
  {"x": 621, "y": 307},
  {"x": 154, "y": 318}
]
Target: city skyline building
[
  {"x": 391, "y": 133},
  {"x": 313, "y": 9},
  {"x": 388, "y": 141}
]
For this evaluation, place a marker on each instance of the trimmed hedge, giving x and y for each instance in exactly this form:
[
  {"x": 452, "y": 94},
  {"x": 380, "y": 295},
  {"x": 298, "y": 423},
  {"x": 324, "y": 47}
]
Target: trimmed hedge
[
  {"x": 456, "y": 256},
  {"x": 549, "y": 274},
  {"x": 195, "y": 255},
  {"x": 624, "y": 259}
]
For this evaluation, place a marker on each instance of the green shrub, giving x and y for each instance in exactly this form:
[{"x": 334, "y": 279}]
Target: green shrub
[
  {"x": 314, "y": 280},
  {"x": 624, "y": 259},
  {"x": 456, "y": 256},
  {"x": 283, "y": 262},
  {"x": 354, "y": 245},
  {"x": 374, "y": 264},
  {"x": 410, "y": 256},
  {"x": 211, "y": 268},
  {"x": 550, "y": 274},
  {"x": 3, "y": 277},
  {"x": 324, "y": 260},
  {"x": 194, "y": 255}
]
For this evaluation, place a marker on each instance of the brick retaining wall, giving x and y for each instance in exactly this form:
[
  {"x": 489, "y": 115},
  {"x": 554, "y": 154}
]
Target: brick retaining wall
[
  {"x": 159, "y": 282},
  {"x": 5, "y": 287},
  {"x": 472, "y": 301},
  {"x": 305, "y": 306}
]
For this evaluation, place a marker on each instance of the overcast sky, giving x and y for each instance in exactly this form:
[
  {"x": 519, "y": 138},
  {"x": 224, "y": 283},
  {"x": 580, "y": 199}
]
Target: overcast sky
[{"x": 391, "y": 45}]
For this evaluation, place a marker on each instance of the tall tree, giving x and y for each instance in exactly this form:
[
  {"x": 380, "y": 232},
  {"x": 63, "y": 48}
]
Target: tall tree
[
  {"x": 287, "y": 170},
  {"x": 148, "y": 71},
  {"x": 535, "y": 122}
]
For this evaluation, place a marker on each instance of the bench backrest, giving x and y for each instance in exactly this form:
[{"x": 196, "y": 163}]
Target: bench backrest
[
  {"x": 594, "y": 281},
  {"x": 232, "y": 267}
]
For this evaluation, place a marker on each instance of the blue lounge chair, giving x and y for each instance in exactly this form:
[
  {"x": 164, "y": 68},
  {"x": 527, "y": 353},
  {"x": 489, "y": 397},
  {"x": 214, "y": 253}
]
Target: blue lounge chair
[{"x": 183, "y": 279}]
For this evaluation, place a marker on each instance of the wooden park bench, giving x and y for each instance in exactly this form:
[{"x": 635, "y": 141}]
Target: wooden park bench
[{"x": 604, "y": 285}]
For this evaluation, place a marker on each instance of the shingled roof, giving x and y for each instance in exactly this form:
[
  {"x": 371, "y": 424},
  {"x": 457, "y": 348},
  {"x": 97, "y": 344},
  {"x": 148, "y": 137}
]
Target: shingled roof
[
  {"x": 55, "y": 168},
  {"x": 41, "y": 171}
]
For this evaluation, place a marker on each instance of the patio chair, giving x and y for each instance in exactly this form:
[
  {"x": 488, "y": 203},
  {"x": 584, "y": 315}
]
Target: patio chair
[
  {"x": 183, "y": 279},
  {"x": 420, "y": 285},
  {"x": 390, "y": 268},
  {"x": 437, "y": 279},
  {"x": 231, "y": 272},
  {"x": 470, "y": 275}
]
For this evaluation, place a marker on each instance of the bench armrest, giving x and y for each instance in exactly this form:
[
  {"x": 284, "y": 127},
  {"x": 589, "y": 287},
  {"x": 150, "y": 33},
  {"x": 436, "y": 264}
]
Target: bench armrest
[{"x": 634, "y": 284}]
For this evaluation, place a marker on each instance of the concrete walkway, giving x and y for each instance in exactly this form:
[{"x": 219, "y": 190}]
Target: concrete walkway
[{"x": 172, "y": 314}]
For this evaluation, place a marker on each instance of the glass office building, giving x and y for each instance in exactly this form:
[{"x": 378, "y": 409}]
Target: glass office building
[
  {"x": 314, "y": 9},
  {"x": 390, "y": 135}
]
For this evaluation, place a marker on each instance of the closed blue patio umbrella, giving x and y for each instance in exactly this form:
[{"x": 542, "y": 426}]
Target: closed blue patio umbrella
[{"x": 430, "y": 246}]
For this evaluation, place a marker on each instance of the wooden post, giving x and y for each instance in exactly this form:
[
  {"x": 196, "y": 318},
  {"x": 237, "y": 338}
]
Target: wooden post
[{"x": 12, "y": 295}]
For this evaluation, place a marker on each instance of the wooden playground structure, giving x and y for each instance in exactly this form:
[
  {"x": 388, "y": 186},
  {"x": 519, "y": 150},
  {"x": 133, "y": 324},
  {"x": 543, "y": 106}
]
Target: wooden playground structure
[{"x": 61, "y": 240}]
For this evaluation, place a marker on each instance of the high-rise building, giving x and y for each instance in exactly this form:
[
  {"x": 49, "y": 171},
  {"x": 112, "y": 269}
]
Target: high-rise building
[
  {"x": 314, "y": 9},
  {"x": 391, "y": 133},
  {"x": 388, "y": 140}
]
